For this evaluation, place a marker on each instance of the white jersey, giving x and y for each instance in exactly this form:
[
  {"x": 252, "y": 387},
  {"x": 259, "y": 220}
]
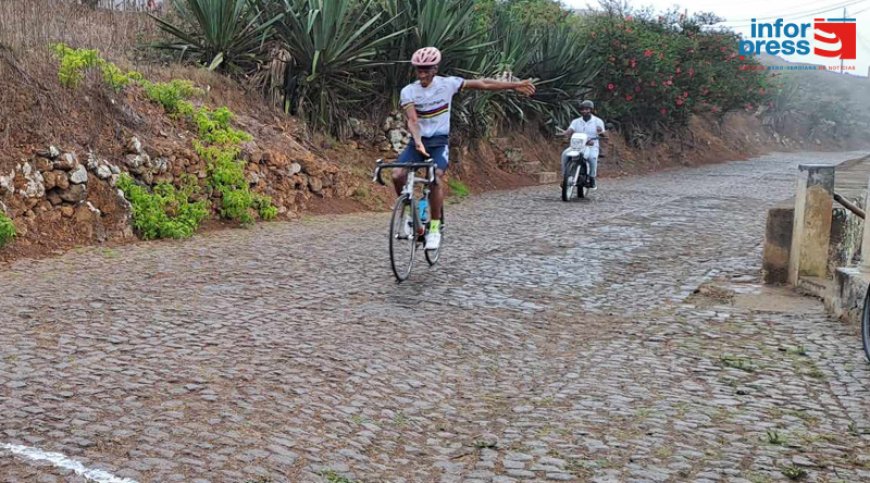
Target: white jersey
[
  {"x": 432, "y": 103},
  {"x": 593, "y": 127}
]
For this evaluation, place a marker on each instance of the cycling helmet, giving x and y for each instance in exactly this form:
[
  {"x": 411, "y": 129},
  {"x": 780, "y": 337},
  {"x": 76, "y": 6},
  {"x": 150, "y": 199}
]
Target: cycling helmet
[
  {"x": 587, "y": 103},
  {"x": 426, "y": 57}
]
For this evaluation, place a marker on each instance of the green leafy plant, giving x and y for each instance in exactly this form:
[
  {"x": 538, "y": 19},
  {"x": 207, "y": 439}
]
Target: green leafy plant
[
  {"x": 172, "y": 95},
  {"x": 227, "y": 34},
  {"x": 7, "y": 230},
  {"x": 226, "y": 175},
  {"x": 165, "y": 212},
  {"x": 214, "y": 127},
  {"x": 75, "y": 62},
  {"x": 265, "y": 208}
]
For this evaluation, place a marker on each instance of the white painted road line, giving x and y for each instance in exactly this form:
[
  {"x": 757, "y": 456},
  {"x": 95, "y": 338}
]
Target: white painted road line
[{"x": 62, "y": 461}]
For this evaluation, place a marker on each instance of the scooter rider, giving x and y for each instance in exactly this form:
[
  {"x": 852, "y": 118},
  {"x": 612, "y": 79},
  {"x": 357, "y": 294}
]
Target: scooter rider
[{"x": 594, "y": 129}]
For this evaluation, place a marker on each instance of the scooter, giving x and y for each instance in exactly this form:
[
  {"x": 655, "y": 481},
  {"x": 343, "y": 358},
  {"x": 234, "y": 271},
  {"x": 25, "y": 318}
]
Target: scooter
[{"x": 575, "y": 178}]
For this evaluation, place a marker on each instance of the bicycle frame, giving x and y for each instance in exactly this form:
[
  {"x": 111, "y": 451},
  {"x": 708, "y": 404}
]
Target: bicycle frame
[{"x": 411, "y": 180}]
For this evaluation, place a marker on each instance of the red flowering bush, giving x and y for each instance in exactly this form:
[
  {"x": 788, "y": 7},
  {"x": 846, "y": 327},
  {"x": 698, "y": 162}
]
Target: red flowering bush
[{"x": 653, "y": 76}]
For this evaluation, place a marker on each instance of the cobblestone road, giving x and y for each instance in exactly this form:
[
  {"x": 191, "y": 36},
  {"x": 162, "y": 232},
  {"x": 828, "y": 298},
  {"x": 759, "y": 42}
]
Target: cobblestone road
[{"x": 555, "y": 342}]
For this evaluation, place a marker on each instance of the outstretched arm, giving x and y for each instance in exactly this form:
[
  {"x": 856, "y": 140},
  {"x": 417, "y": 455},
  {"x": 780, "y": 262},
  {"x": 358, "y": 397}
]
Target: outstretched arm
[{"x": 525, "y": 87}]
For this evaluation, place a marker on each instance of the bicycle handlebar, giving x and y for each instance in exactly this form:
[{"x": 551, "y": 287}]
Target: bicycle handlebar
[{"x": 380, "y": 165}]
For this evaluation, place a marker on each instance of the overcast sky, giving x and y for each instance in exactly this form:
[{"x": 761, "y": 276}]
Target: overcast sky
[{"x": 738, "y": 13}]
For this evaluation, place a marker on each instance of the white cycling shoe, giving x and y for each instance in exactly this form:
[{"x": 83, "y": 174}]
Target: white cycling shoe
[{"x": 433, "y": 241}]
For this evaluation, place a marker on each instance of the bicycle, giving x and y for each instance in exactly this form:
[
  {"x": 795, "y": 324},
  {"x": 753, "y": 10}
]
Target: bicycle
[
  {"x": 406, "y": 235},
  {"x": 865, "y": 326}
]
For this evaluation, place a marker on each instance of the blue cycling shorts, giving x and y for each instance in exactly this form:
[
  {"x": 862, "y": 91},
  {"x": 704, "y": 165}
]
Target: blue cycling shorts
[{"x": 436, "y": 146}]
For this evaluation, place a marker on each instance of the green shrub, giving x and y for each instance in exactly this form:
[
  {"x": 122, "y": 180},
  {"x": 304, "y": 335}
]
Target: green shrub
[
  {"x": 172, "y": 94},
  {"x": 214, "y": 127},
  {"x": 226, "y": 174},
  {"x": 75, "y": 62},
  {"x": 165, "y": 212},
  {"x": 265, "y": 208},
  {"x": 7, "y": 230}
]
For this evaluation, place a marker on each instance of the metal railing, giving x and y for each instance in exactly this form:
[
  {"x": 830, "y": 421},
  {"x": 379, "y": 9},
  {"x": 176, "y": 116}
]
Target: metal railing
[{"x": 849, "y": 206}]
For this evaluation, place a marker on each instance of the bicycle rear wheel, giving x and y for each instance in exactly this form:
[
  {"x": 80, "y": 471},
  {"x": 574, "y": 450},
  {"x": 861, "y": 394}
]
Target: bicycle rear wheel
[
  {"x": 403, "y": 239},
  {"x": 432, "y": 256},
  {"x": 865, "y": 326}
]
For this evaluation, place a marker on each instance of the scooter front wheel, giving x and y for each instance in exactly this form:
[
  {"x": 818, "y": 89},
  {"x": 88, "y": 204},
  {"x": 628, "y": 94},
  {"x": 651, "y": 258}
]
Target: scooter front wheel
[{"x": 569, "y": 188}]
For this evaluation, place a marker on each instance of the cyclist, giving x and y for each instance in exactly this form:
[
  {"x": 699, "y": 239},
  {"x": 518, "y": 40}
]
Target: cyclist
[
  {"x": 427, "y": 107},
  {"x": 593, "y": 126}
]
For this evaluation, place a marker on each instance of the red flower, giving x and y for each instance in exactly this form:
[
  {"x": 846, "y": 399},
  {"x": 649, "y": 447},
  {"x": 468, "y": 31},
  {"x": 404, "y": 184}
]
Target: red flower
[
  {"x": 685, "y": 93},
  {"x": 691, "y": 72},
  {"x": 663, "y": 111},
  {"x": 679, "y": 102},
  {"x": 610, "y": 87},
  {"x": 669, "y": 82},
  {"x": 647, "y": 53},
  {"x": 679, "y": 70},
  {"x": 632, "y": 63},
  {"x": 629, "y": 18},
  {"x": 628, "y": 97}
]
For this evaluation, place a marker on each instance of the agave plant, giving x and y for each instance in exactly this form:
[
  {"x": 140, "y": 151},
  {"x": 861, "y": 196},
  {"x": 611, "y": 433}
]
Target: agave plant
[
  {"x": 335, "y": 45},
  {"x": 446, "y": 24},
  {"x": 565, "y": 69},
  {"x": 222, "y": 34},
  {"x": 555, "y": 58}
]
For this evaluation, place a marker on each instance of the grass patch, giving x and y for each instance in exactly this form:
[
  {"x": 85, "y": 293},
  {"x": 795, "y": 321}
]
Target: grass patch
[
  {"x": 794, "y": 473},
  {"x": 333, "y": 477},
  {"x": 775, "y": 438},
  {"x": 736, "y": 362},
  {"x": 458, "y": 188}
]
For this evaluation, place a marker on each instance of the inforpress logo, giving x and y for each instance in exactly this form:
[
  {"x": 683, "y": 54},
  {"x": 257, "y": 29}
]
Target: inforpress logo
[{"x": 834, "y": 37}]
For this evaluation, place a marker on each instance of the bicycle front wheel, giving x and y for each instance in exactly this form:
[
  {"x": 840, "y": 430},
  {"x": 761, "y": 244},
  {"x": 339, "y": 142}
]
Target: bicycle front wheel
[
  {"x": 403, "y": 239},
  {"x": 865, "y": 326}
]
